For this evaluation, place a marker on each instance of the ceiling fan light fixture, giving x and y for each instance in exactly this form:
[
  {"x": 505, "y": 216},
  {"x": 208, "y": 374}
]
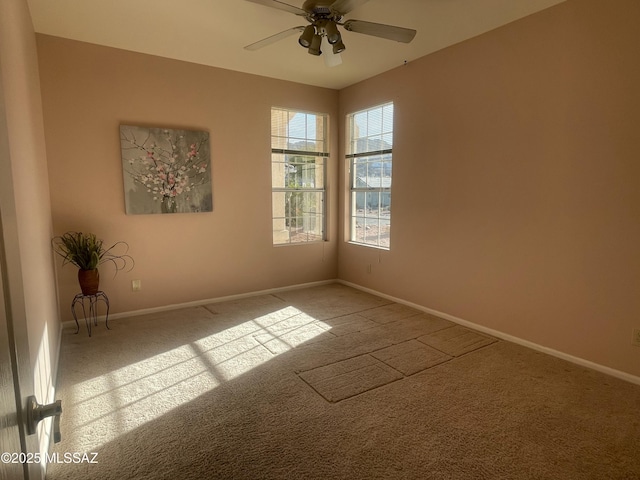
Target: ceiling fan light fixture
[
  {"x": 339, "y": 47},
  {"x": 314, "y": 48},
  {"x": 333, "y": 35},
  {"x": 306, "y": 39}
]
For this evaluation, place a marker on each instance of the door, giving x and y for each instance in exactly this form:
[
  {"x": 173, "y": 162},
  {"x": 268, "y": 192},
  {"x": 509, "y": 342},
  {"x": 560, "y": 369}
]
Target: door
[
  {"x": 9, "y": 432},
  {"x": 16, "y": 376}
]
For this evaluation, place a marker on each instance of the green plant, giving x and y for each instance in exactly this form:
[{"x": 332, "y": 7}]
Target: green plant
[{"x": 86, "y": 251}]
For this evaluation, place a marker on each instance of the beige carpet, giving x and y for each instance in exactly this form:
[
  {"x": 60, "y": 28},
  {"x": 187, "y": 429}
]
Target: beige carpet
[{"x": 332, "y": 383}]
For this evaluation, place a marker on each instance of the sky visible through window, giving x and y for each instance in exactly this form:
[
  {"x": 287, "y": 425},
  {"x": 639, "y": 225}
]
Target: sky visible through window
[{"x": 303, "y": 126}]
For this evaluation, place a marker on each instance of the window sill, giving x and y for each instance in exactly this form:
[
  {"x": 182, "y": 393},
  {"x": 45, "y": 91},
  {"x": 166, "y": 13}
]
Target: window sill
[
  {"x": 315, "y": 242},
  {"x": 377, "y": 247}
]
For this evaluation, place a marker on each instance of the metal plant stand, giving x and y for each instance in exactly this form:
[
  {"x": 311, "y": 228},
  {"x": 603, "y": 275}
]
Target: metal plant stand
[{"x": 93, "y": 309}]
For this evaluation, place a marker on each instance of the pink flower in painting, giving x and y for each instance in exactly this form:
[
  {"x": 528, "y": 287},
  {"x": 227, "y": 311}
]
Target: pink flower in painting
[{"x": 193, "y": 152}]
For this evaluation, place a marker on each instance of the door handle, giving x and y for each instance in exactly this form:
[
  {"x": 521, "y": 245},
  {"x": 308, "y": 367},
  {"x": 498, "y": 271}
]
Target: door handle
[{"x": 37, "y": 412}]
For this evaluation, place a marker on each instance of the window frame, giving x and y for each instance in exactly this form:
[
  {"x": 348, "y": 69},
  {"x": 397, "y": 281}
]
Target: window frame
[
  {"x": 381, "y": 191},
  {"x": 290, "y": 154}
]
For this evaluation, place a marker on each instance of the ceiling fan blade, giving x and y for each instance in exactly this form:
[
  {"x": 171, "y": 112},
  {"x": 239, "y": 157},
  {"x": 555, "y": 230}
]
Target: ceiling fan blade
[
  {"x": 345, "y": 6},
  {"x": 273, "y": 38},
  {"x": 280, "y": 6},
  {"x": 399, "y": 34}
]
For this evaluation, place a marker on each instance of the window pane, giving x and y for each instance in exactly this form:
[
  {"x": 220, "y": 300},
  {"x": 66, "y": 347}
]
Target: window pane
[
  {"x": 360, "y": 125},
  {"x": 358, "y": 201},
  {"x": 301, "y": 217},
  {"x": 387, "y": 141},
  {"x": 385, "y": 204},
  {"x": 298, "y": 216},
  {"x": 384, "y": 233},
  {"x": 373, "y": 201},
  {"x": 278, "y": 171},
  {"x": 297, "y": 127},
  {"x": 298, "y": 131},
  {"x": 304, "y": 172},
  {"x": 279, "y": 205},
  {"x": 314, "y": 128},
  {"x": 387, "y": 118},
  {"x": 386, "y": 172},
  {"x": 375, "y": 122},
  {"x": 279, "y": 128},
  {"x": 281, "y": 233}
]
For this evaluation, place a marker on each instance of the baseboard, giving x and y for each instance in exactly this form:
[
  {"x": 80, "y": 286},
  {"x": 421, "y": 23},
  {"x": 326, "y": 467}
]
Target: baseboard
[
  {"x": 199, "y": 303},
  {"x": 510, "y": 338}
]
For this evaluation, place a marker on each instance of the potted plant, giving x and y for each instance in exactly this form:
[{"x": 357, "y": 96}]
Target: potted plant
[{"x": 86, "y": 251}]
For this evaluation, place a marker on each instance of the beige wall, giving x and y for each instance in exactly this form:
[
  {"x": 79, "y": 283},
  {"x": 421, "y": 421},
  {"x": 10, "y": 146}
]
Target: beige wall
[
  {"x": 516, "y": 195},
  {"x": 26, "y": 209},
  {"x": 89, "y": 91}
]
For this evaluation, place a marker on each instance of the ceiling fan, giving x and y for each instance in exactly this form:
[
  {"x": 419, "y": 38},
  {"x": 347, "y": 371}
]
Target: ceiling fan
[{"x": 324, "y": 16}]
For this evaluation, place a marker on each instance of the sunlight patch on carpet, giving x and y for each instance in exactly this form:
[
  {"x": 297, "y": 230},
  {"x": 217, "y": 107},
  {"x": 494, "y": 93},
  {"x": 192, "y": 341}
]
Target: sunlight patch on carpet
[
  {"x": 290, "y": 329},
  {"x": 105, "y": 407}
]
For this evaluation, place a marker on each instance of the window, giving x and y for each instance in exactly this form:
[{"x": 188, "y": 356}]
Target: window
[
  {"x": 369, "y": 154},
  {"x": 298, "y": 171}
]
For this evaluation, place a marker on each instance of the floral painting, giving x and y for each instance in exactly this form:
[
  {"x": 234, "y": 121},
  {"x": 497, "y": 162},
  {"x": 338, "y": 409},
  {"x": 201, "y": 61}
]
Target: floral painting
[{"x": 165, "y": 170}]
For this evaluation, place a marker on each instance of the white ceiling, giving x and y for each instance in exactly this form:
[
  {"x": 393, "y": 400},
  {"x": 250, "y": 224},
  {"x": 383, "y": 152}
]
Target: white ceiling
[{"x": 214, "y": 32}]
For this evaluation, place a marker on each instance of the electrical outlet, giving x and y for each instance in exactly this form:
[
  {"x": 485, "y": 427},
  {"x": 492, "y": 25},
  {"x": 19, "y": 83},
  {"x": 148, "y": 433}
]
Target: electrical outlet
[
  {"x": 636, "y": 337},
  {"x": 136, "y": 285}
]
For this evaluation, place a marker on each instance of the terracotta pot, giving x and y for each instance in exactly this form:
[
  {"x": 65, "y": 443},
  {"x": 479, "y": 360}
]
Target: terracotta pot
[{"x": 89, "y": 281}]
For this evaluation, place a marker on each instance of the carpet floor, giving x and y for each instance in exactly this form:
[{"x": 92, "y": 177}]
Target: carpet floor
[{"x": 330, "y": 382}]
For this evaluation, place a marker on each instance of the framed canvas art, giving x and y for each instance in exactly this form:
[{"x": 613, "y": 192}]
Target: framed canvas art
[{"x": 165, "y": 170}]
